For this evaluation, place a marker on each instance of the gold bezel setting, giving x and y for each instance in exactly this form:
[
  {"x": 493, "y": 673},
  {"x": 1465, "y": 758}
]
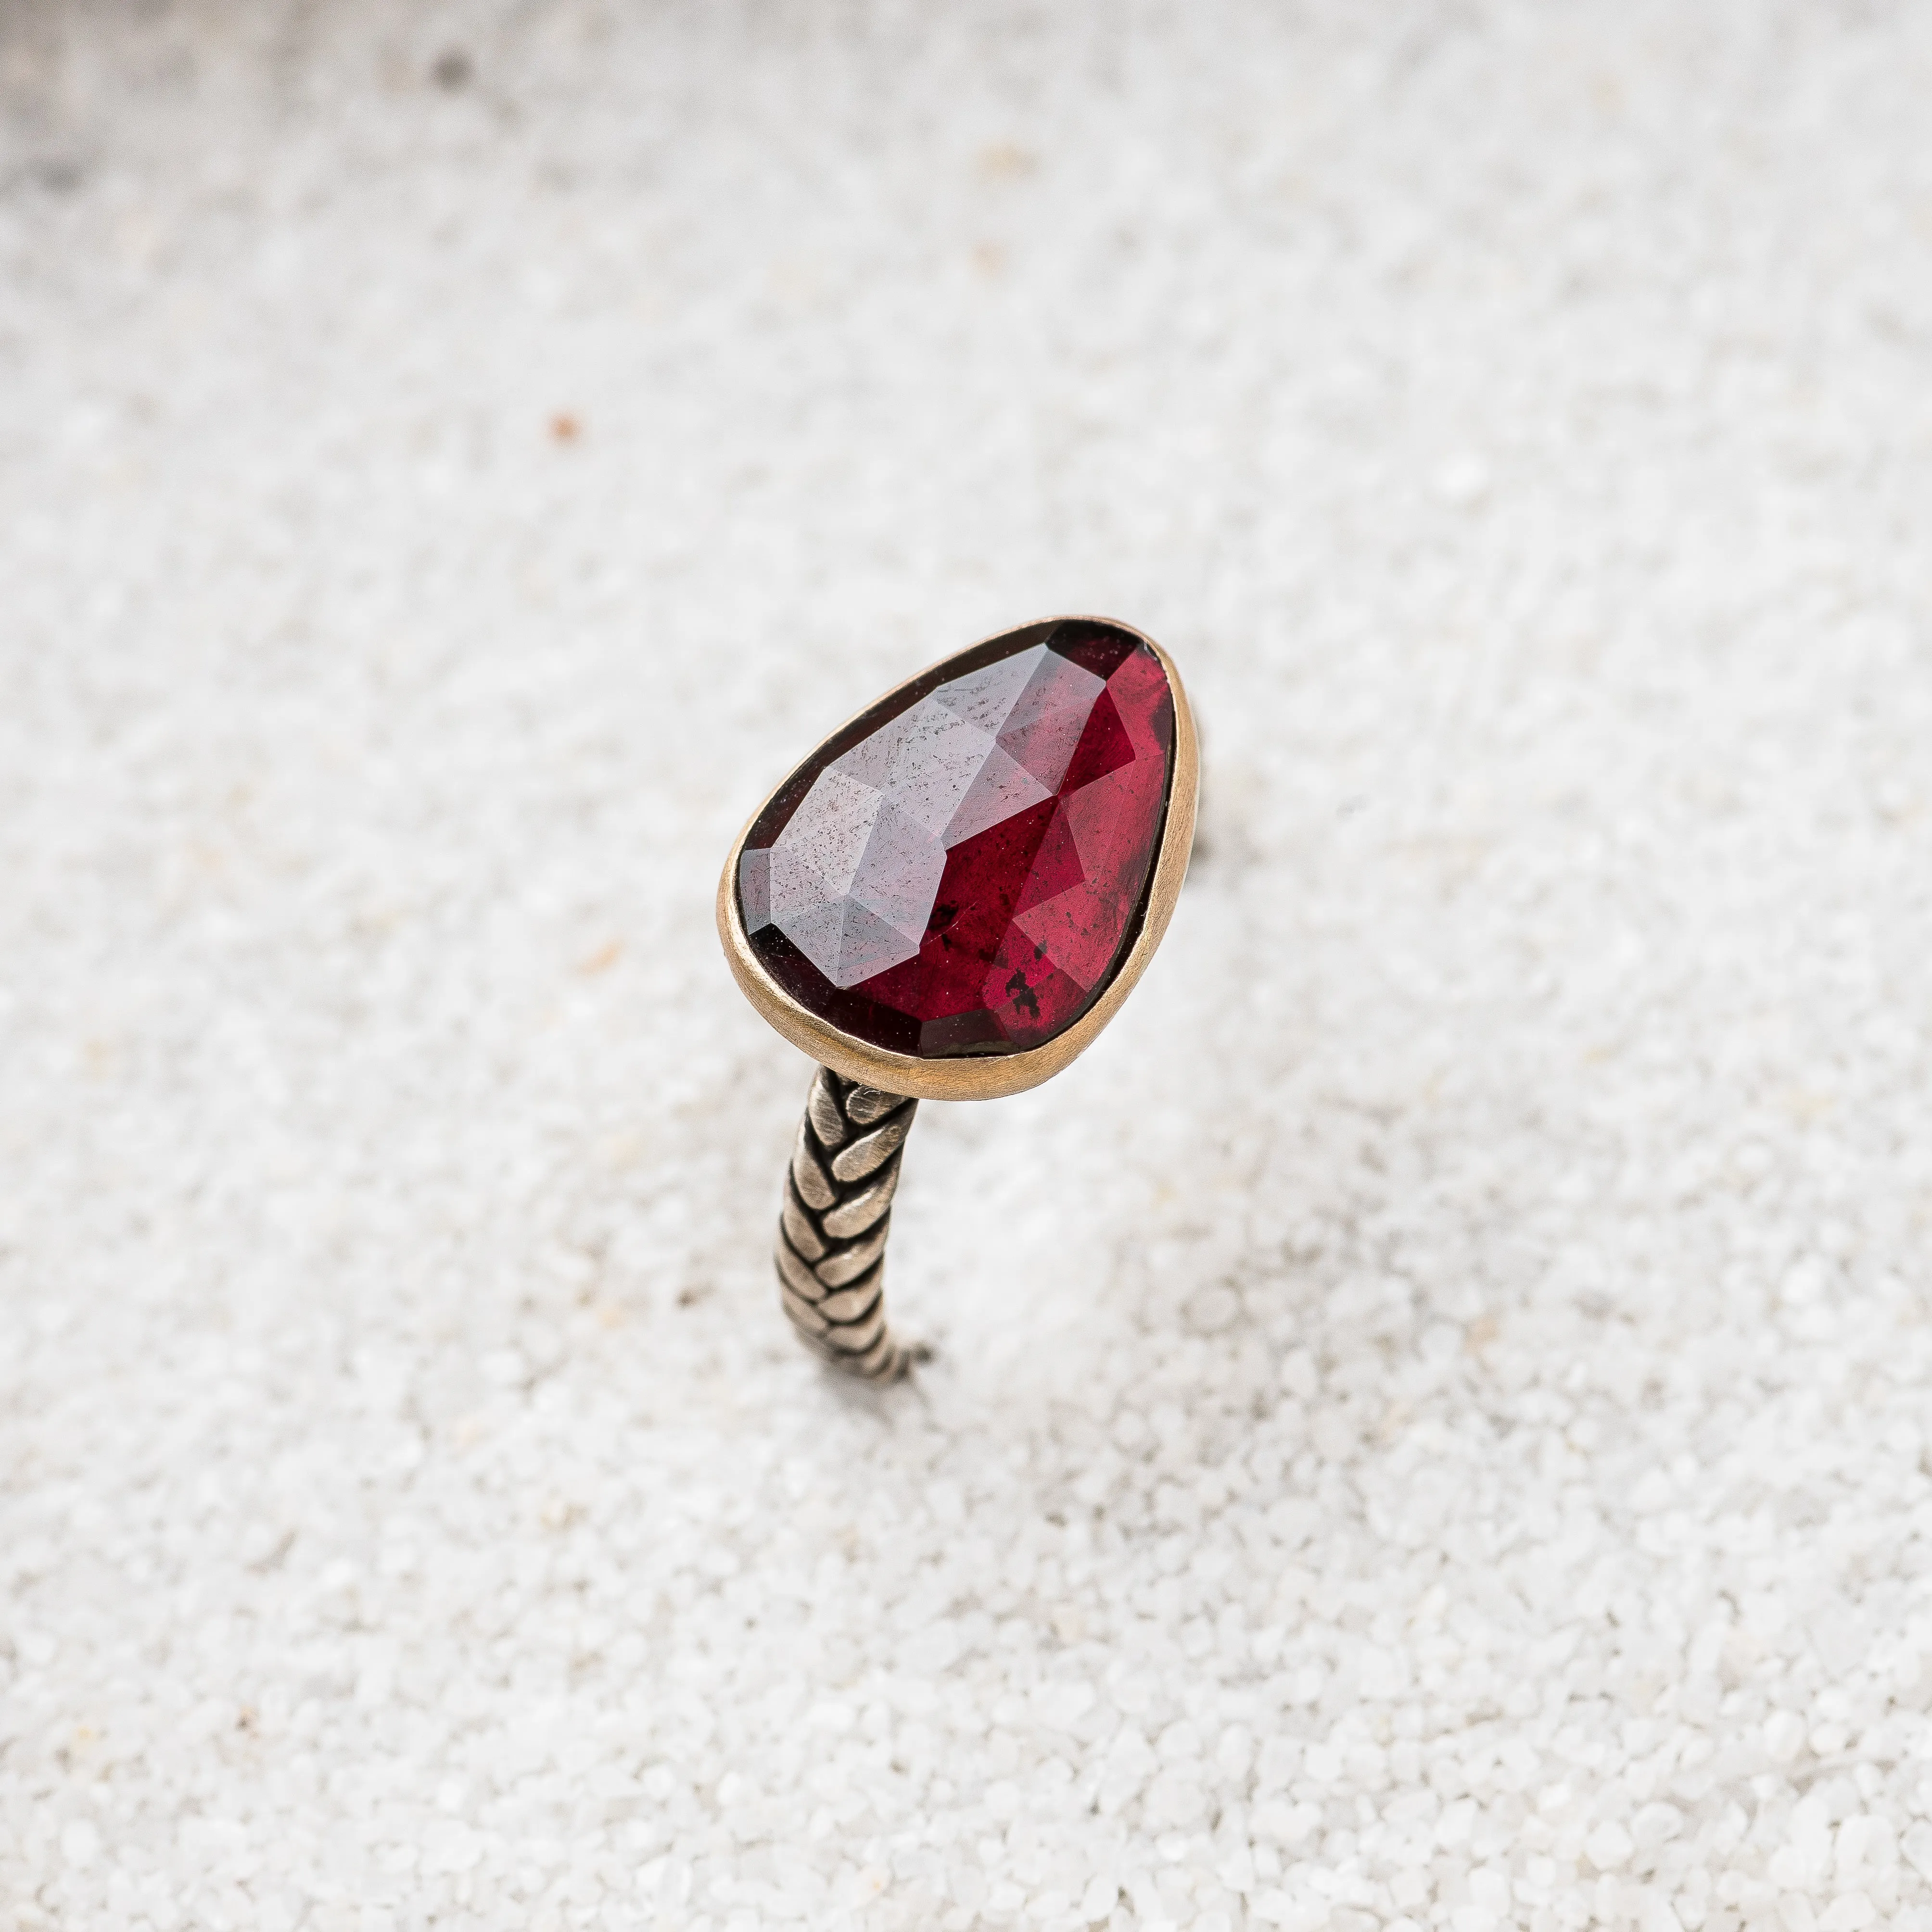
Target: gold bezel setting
[{"x": 988, "y": 1076}]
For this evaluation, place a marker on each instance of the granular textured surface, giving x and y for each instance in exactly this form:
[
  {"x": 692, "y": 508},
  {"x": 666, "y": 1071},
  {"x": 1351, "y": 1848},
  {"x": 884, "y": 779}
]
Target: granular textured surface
[
  {"x": 1432, "y": 1415},
  {"x": 965, "y": 874}
]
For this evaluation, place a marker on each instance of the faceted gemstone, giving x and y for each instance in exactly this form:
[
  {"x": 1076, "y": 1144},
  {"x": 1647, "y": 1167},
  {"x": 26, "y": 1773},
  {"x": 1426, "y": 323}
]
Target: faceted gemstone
[{"x": 963, "y": 868}]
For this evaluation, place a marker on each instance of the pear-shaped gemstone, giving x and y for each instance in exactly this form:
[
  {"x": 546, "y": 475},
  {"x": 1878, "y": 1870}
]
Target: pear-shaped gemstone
[{"x": 963, "y": 868}]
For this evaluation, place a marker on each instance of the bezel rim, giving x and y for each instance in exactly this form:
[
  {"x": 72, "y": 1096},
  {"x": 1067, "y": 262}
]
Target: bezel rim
[{"x": 984, "y": 1076}]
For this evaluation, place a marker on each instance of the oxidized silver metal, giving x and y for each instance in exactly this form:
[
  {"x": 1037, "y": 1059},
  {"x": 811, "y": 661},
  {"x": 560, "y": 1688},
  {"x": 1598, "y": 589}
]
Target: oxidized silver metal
[{"x": 832, "y": 1230}]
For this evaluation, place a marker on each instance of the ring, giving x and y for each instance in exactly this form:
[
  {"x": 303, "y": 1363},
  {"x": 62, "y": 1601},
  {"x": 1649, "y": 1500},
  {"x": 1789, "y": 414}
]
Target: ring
[{"x": 947, "y": 901}]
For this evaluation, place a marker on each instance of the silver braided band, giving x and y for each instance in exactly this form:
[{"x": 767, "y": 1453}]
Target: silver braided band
[{"x": 832, "y": 1233}]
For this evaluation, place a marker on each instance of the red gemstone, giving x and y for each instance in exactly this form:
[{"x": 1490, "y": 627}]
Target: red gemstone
[{"x": 962, "y": 869}]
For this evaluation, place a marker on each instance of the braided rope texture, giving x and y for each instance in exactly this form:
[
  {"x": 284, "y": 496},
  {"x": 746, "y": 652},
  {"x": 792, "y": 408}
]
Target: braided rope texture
[{"x": 832, "y": 1232}]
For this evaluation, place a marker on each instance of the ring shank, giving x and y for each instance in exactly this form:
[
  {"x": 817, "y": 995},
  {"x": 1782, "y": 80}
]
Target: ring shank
[{"x": 830, "y": 1252}]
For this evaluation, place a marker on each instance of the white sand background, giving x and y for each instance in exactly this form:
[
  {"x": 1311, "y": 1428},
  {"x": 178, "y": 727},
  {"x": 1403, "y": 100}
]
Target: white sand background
[{"x": 1431, "y": 1418}]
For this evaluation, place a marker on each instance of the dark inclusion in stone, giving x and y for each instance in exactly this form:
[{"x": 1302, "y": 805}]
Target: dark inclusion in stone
[{"x": 962, "y": 869}]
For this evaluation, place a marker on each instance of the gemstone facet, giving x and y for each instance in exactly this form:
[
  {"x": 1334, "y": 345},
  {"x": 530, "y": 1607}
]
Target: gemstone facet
[{"x": 964, "y": 868}]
